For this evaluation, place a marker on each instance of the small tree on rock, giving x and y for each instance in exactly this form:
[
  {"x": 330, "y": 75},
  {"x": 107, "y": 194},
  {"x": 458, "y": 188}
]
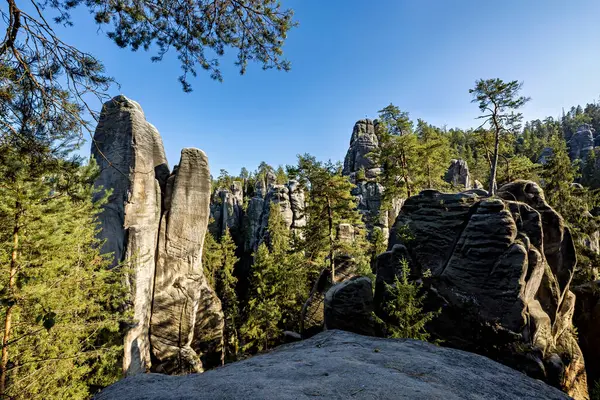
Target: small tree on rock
[{"x": 498, "y": 101}]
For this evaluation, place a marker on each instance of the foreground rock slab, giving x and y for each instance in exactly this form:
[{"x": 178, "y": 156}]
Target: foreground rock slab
[{"x": 342, "y": 365}]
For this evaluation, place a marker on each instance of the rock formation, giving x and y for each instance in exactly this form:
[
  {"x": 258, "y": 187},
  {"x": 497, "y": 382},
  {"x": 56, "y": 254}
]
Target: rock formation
[
  {"x": 364, "y": 140},
  {"x": 133, "y": 165},
  {"x": 500, "y": 271},
  {"x": 290, "y": 198},
  {"x": 362, "y": 171},
  {"x": 226, "y": 209},
  {"x": 180, "y": 285},
  {"x": 343, "y": 365},
  {"x": 349, "y": 306},
  {"x": 168, "y": 291},
  {"x": 458, "y": 174},
  {"x": 581, "y": 142}
]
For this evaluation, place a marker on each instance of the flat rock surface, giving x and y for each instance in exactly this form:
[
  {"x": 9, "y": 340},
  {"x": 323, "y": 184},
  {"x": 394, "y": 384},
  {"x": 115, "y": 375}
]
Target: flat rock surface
[{"x": 342, "y": 365}]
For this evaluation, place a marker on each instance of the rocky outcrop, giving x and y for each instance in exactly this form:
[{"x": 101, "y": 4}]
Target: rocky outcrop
[
  {"x": 132, "y": 161},
  {"x": 458, "y": 174},
  {"x": 587, "y": 321},
  {"x": 343, "y": 365},
  {"x": 226, "y": 209},
  {"x": 581, "y": 143},
  {"x": 364, "y": 140},
  {"x": 500, "y": 271},
  {"x": 291, "y": 201},
  {"x": 176, "y": 315},
  {"x": 180, "y": 285},
  {"x": 362, "y": 171},
  {"x": 349, "y": 306}
]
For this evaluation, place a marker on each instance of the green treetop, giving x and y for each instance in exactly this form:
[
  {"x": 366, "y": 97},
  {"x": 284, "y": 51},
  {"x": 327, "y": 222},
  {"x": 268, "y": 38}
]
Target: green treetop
[{"x": 498, "y": 101}]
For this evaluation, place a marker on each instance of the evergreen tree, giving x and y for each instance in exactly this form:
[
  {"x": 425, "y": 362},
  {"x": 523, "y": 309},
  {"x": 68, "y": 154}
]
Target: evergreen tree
[
  {"x": 212, "y": 258},
  {"x": 434, "y": 155},
  {"x": 404, "y": 308},
  {"x": 497, "y": 101},
  {"x": 59, "y": 302},
  {"x": 590, "y": 175},
  {"x": 281, "y": 176},
  {"x": 398, "y": 154},
  {"x": 278, "y": 285},
  {"x": 329, "y": 204},
  {"x": 225, "y": 287}
]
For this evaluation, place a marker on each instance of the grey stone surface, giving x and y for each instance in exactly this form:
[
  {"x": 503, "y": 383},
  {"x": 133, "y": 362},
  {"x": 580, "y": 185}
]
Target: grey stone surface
[
  {"x": 343, "y": 365},
  {"x": 363, "y": 141},
  {"x": 500, "y": 270},
  {"x": 349, "y": 306},
  {"x": 581, "y": 142},
  {"x": 137, "y": 171},
  {"x": 226, "y": 209},
  {"x": 180, "y": 285},
  {"x": 367, "y": 191},
  {"x": 291, "y": 200},
  {"x": 458, "y": 174}
]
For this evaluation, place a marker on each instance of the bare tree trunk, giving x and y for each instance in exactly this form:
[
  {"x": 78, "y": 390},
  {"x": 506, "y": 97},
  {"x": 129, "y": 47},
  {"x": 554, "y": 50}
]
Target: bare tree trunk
[
  {"x": 495, "y": 160},
  {"x": 330, "y": 219},
  {"x": 9, "y": 310}
]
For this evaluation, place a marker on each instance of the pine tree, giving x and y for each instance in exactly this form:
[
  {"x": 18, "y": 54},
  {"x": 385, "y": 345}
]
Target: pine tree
[
  {"x": 497, "y": 101},
  {"x": 59, "y": 302},
  {"x": 398, "y": 154},
  {"x": 281, "y": 177},
  {"x": 329, "y": 204},
  {"x": 404, "y": 308},
  {"x": 590, "y": 175},
  {"x": 225, "y": 287},
  {"x": 278, "y": 286},
  {"x": 434, "y": 155},
  {"x": 212, "y": 258}
]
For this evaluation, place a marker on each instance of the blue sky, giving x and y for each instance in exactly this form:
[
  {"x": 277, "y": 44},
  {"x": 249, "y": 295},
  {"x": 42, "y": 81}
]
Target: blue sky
[{"x": 351, "y": 58}]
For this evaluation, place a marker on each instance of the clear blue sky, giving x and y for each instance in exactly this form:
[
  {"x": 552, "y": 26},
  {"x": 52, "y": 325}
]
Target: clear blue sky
[{"x": 351, "y": 58}]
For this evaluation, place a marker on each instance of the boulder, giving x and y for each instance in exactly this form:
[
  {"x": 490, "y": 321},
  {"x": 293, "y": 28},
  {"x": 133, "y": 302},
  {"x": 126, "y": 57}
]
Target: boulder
[
  {"x": 132, "y": 162},
  {"x": 349, "y": 306},
  {"x": 458, "y": 174},
  {"x": 343, "y": 365},
  {"x": 500, "y": 270},
  {"x": 180, "y": 287},
  {"x": 581, "y": 143}
]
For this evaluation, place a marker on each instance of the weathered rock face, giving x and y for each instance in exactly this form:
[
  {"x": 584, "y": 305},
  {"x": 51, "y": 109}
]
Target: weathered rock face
[
  {"x": 582, "y": 142},
  {"x": 131, "y": 218},
  {"x": 169, "y": 294},
  {"x": 500, "y": 271},
  {"x": 349, "y": 306},
  {"x": 226, "y": 209},
  {"x": 291, "y": 200},
  {"x": 587, "y": 321},
  {"x": 368, "y": 192},
  {"x": 363, "y": 141},
  {"x": 458, "y": 174},
  {"x": 180, "y": 285},
  {"x": 343, "y": 365}
]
